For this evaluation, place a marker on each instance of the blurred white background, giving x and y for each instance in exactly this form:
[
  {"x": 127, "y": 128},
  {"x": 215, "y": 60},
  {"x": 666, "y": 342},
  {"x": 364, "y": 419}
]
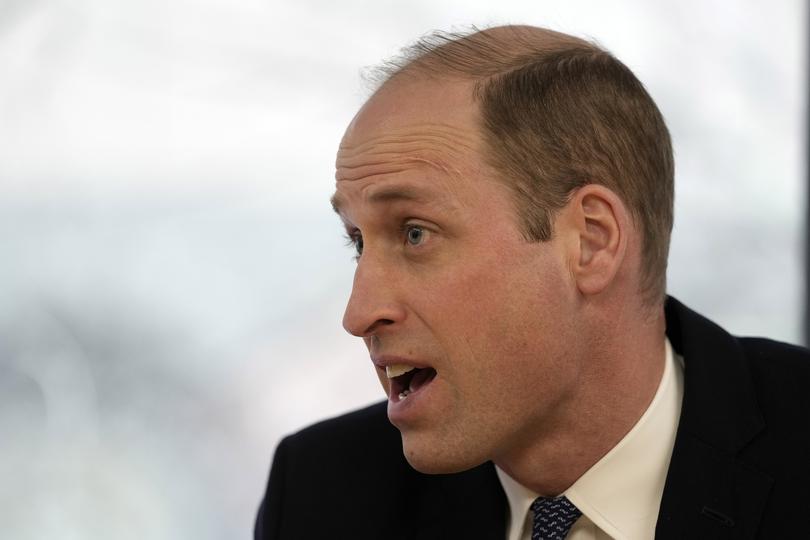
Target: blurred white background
[{"x": 173, "y": 278}]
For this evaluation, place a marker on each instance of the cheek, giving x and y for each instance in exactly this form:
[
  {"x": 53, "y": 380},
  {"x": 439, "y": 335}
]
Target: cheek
[
  {"x": 511, "y": 296},
  {"x": 500, "y": 326}
]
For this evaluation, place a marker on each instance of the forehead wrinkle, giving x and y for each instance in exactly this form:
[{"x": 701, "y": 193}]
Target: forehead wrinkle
[
  {"x": 391, "y": 191},
  {"x": 437, "y": 138},
  {"x": 384, "y": 168},
  {"x": 424, "y": 128},
  {"x": 448, "y": 140},
  {"x": 388, "y": 154},
  {"x": 397, "y": 193}
]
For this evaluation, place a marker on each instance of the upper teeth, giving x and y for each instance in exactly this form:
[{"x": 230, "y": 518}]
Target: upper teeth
[{"x": 395, "y": 370}]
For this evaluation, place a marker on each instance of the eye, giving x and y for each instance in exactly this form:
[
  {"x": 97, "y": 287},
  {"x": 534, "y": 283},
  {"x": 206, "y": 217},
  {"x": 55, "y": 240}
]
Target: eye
[
  {"x": 354, "y": 238},
  {"x": 415, "y": 234}
]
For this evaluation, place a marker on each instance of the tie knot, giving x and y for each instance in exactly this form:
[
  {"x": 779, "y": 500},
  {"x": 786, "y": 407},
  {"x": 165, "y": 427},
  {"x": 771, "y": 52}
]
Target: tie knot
[{"x": 553, "y": 517}]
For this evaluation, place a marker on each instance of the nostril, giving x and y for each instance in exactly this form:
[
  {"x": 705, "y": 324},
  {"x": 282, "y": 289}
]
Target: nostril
[
  {"x": 376, "y": 325},
  {"x": 365, "y": 315}
]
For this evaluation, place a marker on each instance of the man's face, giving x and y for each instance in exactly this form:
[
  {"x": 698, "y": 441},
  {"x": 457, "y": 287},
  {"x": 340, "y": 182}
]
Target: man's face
[{"x": 446, "y": 283}]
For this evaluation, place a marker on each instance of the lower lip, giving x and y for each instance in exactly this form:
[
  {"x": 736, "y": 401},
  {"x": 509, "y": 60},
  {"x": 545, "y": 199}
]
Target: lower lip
[{"x": 404, "y": 410}]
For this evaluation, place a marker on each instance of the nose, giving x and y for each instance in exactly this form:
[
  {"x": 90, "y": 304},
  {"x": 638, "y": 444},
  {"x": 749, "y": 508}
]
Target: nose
[{"x": 372, "y": 306}]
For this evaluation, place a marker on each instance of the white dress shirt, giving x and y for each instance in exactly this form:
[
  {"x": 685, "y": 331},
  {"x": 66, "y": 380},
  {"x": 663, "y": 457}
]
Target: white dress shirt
[{"x": 619, "y": 496}]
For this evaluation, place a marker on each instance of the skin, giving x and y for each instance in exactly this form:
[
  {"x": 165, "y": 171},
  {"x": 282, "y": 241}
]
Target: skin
[{"x": 545, "y": 353}]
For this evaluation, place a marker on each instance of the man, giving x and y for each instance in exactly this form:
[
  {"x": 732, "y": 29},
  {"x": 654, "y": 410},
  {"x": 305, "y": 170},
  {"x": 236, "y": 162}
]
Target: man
[{"x": 509, "y": 195}]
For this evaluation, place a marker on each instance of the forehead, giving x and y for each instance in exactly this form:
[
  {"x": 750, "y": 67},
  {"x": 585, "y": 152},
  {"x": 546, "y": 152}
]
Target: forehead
[
  {"x": 411, "y": 132},
  {"x": 408, "y": 101}
]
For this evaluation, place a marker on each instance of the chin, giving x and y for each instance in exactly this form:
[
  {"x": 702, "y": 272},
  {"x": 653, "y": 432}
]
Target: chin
[{"x": 432, "y": 458}]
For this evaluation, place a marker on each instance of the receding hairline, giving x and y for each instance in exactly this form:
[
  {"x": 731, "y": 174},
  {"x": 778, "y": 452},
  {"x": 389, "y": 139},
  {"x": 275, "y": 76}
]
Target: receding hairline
[{"x": 473, "y": 53}]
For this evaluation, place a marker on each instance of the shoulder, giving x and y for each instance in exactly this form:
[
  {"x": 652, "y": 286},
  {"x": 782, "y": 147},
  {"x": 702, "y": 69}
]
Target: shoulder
[
  {"x": 767, "y": 355},
  {"x": 742, "y": 442},
  {"x": 335, "y": 476},
  {"x": 352, "y": 444},
  {"x": 780, "y": 374},
  {"x": 364, "y": 436},
  {"x": 723, "y": 358},
  {"x": 739, "y": 387}
]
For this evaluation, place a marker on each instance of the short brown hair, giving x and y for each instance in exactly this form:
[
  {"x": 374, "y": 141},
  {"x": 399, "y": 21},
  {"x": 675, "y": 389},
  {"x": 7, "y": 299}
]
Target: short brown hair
[{"x": 558, "y": 113}]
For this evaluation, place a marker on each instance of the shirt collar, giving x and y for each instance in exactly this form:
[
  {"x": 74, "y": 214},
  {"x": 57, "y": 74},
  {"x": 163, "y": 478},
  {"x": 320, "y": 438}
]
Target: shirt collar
[{"x": 621, "y": 493}]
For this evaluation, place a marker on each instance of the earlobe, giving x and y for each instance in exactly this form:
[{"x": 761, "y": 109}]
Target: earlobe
[{"x": 601, "y": 223}]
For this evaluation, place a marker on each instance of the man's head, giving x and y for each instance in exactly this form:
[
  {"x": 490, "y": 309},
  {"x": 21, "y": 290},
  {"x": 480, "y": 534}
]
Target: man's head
[
  {"x": 558, "y": 112},
  {"x": 490, "y": 239}
]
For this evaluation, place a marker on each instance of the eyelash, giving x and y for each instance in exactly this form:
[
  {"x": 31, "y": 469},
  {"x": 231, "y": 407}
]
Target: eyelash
[{"x": 353, "y": 238}]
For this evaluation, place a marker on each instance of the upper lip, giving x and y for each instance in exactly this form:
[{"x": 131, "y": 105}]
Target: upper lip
[{"x": 389, "y": 360}]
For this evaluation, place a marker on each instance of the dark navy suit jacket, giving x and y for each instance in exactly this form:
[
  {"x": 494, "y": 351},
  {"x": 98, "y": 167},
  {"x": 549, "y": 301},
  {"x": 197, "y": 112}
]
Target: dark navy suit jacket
[{"x": 740, "y": 467}]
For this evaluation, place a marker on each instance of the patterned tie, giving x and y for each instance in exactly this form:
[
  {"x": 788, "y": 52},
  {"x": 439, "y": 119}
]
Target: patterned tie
[{"x": 553, "y": 518}]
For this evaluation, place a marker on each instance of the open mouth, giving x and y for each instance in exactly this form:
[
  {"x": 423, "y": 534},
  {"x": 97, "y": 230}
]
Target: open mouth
[{"x": 410, "y": 382}]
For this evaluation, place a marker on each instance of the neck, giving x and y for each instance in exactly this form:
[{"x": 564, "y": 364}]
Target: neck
[{"x": 623, "y": 368}]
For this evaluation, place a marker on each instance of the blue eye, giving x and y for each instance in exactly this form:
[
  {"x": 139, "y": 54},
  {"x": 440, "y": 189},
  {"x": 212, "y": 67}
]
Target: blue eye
[{"x": 415, "y": 235}]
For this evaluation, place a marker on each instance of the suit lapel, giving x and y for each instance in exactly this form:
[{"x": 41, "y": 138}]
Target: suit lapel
[
  {"x": 708, "y": 492},
  {"x": 708, "y": 495}
]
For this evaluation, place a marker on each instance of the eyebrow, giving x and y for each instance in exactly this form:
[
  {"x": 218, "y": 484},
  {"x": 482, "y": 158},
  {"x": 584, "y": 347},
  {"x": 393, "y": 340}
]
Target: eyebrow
[{"x": 386, "y": 195}]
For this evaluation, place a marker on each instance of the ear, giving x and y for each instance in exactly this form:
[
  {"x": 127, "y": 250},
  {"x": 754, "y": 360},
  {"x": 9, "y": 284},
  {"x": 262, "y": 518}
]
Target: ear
[{"x": 599, "y": 224}]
